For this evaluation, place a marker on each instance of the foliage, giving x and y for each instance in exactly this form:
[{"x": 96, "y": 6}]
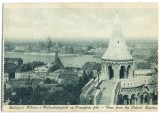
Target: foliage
[
  {"x": 41, "y": 95},
  {"x": 47, "y": 81},
  {"x": 60, "y": 98},
  {"x": 7, "y": 94}
]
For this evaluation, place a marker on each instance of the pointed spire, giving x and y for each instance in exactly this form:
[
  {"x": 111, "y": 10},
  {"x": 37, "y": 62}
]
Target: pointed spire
[
  {"x": 49, "y": 44},
  {"x": 117, "y": 18},
  {"x": 117, "y": 49},
  {"x": 117, "y": 31},
  {"x": 56, "y": 50},
  {"x": 57, "y": 59}
]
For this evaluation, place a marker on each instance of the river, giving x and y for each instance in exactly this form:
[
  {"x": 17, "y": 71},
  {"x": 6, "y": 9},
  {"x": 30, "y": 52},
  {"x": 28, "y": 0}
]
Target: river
[{"x": 75, "y": 60}]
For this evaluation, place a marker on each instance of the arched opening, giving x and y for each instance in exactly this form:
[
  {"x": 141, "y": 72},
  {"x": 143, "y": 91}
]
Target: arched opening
[
  {"x": 122, "y": 72},
  {"x": 128, "y": 71},
  {"x": 110, "y": 72},
  {"x": 155, "y": 97},
  {"x": 125, "y": 97},
  {"x": 120, "y": 99},
  {"x": 144, "y": 98}
]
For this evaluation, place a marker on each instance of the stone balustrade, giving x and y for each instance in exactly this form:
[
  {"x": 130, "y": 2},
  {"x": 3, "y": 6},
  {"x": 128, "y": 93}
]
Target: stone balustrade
[
  {"x": 115, "y": 93},
  {"x": 135, "y": 82}
]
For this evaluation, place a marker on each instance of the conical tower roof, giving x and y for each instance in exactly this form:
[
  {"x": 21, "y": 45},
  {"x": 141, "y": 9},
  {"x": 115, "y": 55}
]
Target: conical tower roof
[
  {"x": 58, "y": 62},
  {"x": 57, "y": 59},
  {"x": 117, "y": 49}
]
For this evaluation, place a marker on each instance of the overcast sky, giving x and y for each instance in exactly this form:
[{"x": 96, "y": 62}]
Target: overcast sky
[{"x": 39, "y": 23}]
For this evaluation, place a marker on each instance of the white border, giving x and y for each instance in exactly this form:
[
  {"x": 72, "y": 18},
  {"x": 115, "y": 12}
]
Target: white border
[{"x": 35, "y": 1}]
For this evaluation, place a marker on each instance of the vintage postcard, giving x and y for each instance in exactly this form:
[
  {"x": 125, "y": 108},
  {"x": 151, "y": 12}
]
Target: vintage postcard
[{"x": 80, "y": 57}]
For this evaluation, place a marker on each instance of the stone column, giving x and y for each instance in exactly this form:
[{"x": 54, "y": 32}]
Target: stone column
[
  {"x": 105, "y": 67},
  {"x": 125, "y": 102},
  {"x": 135, "y": 100},
  {"x": 130, "y": 72},
  {"x": 125, "y": 73},
  {"x": 129, "y": 100},
  {"x": 138, "y": 100},
  {"x": 150, "y": 101},
  {"x": 115, "y": 72},
  {"x": 107, "y": 74},
  {"x": 143, "y": 99},
  {"x": 150, "y": 97},
  {"x": 102, "y": 67}
]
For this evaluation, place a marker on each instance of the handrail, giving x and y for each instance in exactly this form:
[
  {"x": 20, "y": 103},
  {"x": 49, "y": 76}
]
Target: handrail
[{"x": 114, "y": 92}]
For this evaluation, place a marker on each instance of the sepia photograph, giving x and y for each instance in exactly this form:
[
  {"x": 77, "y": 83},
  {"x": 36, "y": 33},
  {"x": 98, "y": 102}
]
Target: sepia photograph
[{"x": 81, "y": 54}]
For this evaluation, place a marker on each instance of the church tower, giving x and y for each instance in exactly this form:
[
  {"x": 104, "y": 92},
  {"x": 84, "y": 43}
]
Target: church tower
[
  {"x": 57, "y": 59},
  {"x": 117, "y": 63},
  {"x": 49, "y": 43}
]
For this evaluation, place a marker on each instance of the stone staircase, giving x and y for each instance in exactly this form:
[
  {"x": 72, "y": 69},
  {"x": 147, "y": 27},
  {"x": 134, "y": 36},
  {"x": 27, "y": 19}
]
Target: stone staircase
[
  {"x": 108, "y": 89},
  {"x": 105, "y": 100}
]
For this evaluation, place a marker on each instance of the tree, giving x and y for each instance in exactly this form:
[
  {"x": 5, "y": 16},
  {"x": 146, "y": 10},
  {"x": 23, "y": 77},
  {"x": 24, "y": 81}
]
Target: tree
[
  {"x": 91, "y": 75},
  {"x": 24, "y": 94},
  {"x": 60, "y": 98},
  {"x": 29, "y": 81},
  {"x": 47, "y": 81},
  {"x": 85, "y": 77}
]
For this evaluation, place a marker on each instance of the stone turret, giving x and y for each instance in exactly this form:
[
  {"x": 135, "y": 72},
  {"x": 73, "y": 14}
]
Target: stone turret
[{"x": 117, "y": 63}]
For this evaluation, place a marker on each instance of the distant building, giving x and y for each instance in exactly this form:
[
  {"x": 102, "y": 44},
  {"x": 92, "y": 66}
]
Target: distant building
[
  {"x": 49, "y": 43},
  {"x": 25, "y": 75},
  {"x": 17, "y": 61},
  {"x": 6, "y": 76},
  {"x": 21, "y": 48},
  {"x": 54, "y": 75},
  {"x": 23, "y": 71},
  {"x": 38, "y": 73},
  {"x": 77, "y": 50},
  {"x": 41, "y": 72},
  {"x": 70, "y": 76},
  {"x": 98, "y": 52},
  {"x": 10, "y": 68},
  {"x": 84, "y": 49}
]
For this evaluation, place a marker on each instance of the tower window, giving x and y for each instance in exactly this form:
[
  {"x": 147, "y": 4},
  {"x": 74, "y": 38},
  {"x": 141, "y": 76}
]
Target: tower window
[{"x": 118, "y": 42}]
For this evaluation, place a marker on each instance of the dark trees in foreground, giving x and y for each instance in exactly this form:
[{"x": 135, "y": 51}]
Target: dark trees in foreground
[{"x": 68, "y": 95}]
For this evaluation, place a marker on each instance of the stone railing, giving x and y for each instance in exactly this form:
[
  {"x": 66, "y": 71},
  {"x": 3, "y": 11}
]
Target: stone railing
[
  {"x": 135, "y": 82},
  {"x": 115, "y": 92},
  {"x": 88, "y": 85}
]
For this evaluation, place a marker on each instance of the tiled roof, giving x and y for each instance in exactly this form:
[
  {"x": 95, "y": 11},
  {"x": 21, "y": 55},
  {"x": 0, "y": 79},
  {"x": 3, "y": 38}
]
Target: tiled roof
[{"x": 58, "y": 62}]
